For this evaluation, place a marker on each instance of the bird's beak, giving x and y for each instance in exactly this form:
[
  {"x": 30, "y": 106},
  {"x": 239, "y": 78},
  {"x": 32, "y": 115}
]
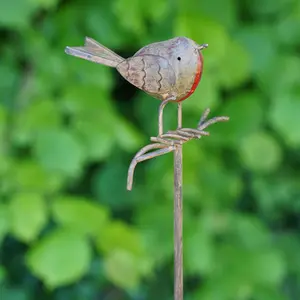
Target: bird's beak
[{"x": 202, "y": 46}]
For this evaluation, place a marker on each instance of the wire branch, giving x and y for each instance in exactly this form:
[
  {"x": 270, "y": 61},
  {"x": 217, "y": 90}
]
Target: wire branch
[{"x": 166, "y": 143}]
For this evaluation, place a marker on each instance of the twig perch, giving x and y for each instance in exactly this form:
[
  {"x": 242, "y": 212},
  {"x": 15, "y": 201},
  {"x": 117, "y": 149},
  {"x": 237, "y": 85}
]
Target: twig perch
[
  {"x": 162, "y": 144},
  {"x": 167, "y": 142}
]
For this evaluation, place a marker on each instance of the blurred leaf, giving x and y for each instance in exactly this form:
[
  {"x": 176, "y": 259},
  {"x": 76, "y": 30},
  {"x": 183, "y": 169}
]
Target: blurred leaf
[
  {"x": 109, "y": 184},
  {"x": 133, "y": 15},
  {"x": 235, "y": 68},
  {"x": 280, "y": 76},
  {"x": 270, "y": 268},
  {"x": 227, "y": 184},
  {"x": 122, "y": 268},
  {"x": 4, "y": 221},
  {"x": 60, "y": 258},
  {"x": 23, "y": 205},
  {"x": 2, "y": 275},
  {"x": 98, "y": 142},
  {"x": 9, "y": 75},
  {"x": 156, "y": 229},
  {"x": 8, "y": 293},
  {"x": 155, "y": 10},
  {"x": 15, "y": 13},
  {"x": 225, "y": 14},
  {"x": 35, "y": 118},
  {"x": 276, "y": 194},
  {"x": 130, "y": 15},
  {"x": 104, "y": 26},
  {"x": 79, "y": 214},
  {"x": 119, "y": 236},
  {"x": 288, "y": 28},
  {"x": 250, "y": 231},
  {"x": 246, "y": 116},
  {"x": 260, "y": 152},
  {"x": 290, "y": 245},
  {"x": 128, "y": 137},
  {"x": 199, "y": 249},
  {"x": 268, "y": 6},
  {"x": 44, "y": 3},
  {"x": 60, "y": 151},
  {"x": 284, "y": 117},
  {"x": 29, "y": 176},
  {"x": 261, "y": 44}
]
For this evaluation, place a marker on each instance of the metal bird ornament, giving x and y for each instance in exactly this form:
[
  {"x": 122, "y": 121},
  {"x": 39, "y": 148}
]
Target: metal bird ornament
[{"x": 169, "y": 70}]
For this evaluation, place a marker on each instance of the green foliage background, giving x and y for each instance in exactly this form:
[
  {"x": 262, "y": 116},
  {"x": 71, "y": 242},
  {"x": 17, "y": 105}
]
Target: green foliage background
[{"x": 69, "y": 128}]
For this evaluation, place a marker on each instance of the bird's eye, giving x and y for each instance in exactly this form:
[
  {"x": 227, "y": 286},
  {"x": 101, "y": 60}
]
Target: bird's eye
[{"x": 178, "y": 58}]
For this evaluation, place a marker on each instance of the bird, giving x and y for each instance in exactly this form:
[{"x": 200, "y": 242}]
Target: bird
[{"x": 168, "y": 70}]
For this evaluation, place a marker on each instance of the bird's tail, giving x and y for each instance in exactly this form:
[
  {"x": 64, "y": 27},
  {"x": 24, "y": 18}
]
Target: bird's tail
[{"x": 95, "y": 52}]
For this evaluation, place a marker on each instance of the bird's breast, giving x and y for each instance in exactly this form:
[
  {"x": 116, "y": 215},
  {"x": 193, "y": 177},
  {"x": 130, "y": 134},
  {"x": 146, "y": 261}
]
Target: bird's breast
[{"x": 188, "y": 84}]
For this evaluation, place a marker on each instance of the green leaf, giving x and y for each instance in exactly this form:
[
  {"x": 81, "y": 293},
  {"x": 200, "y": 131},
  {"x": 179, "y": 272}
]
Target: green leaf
[
  {"x": 15, "y": 13},
  {"x": 260, "y": 152},
  {"x": 28, "y": 215},
  {"x": 8, "y": 293},
  {"x": 60, "y": 258},
  {"x": 199, "y": 249},
  {"x": 276, "y": 194},
  {"x": 280, "y": 76},
  {"x": 284, "y": 117},
  {"x": 59, "y": 151},
  {"x": 156, "y": 229},
  {"x": 269, "y": 268},
  {"x": 246, "y": 116},
  {"x": 261, "y": 44},
  {"x": 269, "y": 7},
  {"x": 27, "y": 175},
  {"x": 133, "y": 19},
  {"x": 104, "y": 26},
  {"x": 2, "y": 275},
  {"x": 109, "y": 184},
  {"x": 128, "y": 137},
  {"x": 120, "y": 236},
  {"x": 39, "y": 116},
  {"x": 122, "y": 268},
  {"x": 235, "y": 68},
  {"x": 44, "y": 3},
  {"x": 80, "y": 214},
  {"x": 4, "y": 221},
  {"x": 227, "y": 184},
  {"x": 97, "y": 141},
  {"x": 288, "y": 28}
]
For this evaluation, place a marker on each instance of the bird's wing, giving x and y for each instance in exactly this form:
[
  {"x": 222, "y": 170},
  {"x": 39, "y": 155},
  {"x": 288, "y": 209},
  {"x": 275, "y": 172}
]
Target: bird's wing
[{"x": 150, "y": 73}]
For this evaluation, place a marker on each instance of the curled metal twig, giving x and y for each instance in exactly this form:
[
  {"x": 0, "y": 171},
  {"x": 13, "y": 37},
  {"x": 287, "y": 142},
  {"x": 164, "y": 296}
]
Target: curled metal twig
[{"x": 165, "y": 143}]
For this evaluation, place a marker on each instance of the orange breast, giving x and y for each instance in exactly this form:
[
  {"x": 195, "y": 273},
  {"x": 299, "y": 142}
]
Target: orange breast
[{"x": 196, "y": 79}]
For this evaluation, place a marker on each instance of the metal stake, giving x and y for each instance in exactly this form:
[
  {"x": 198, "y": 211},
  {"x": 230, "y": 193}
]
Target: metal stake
[
  {"x": 178, "y": 255},
  {"x": 162, "y": 144}
]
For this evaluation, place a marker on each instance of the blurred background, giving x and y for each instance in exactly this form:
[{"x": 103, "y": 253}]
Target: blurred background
[{"x": 69, "y": 129}]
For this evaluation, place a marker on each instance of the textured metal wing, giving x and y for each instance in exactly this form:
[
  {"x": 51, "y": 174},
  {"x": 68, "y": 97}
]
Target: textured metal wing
[{"x": 150, "y": 73}]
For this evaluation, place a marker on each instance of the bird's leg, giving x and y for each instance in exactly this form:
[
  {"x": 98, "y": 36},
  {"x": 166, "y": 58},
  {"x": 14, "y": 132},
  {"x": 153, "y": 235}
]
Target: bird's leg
[
  {"x": 160, "y": 115},
  {"x": 179, "y": 115}
]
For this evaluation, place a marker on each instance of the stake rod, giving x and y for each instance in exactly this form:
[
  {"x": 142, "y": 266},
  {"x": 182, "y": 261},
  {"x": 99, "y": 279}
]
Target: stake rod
[
  {"x": 178, "y": 251},
  {"x": 164, "y": 143}
]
